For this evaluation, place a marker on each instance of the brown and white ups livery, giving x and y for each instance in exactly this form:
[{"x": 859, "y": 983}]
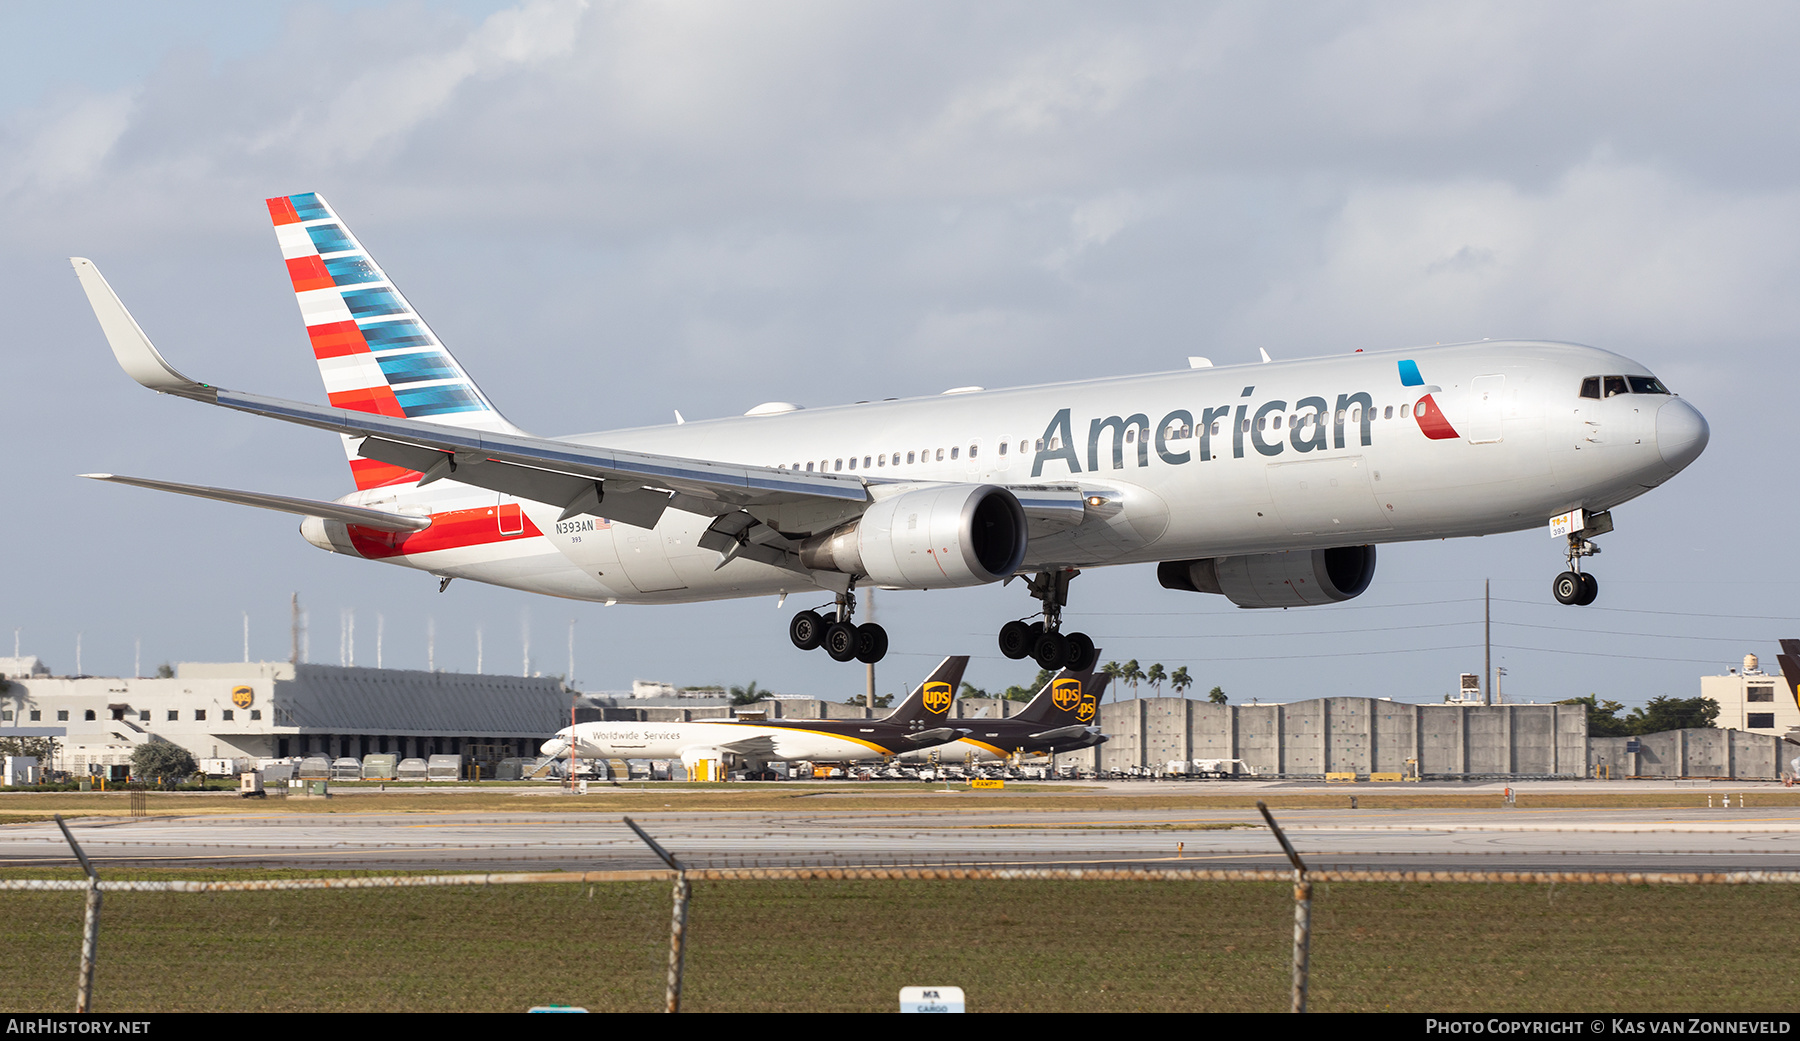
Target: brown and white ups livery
[
  {"x": 1061, "y": 717},
  {"x": 921, "y": 721}
]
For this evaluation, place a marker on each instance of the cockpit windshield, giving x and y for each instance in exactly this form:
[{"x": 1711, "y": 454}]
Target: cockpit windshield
[{"x": 1607, "y": 386}]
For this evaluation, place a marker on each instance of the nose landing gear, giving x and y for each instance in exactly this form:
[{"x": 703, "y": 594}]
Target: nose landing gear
[
  {"x": 1044, "y": 641},
  {"x": 844, "y": 641},
  {"x": 1576, "y": 587}
]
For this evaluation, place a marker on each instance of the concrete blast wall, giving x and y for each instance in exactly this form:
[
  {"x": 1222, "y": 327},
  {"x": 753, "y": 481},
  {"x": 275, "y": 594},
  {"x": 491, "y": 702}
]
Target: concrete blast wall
[
  {"x": 1358, "y": 735},
  {"x": 1693, "y": 753}
]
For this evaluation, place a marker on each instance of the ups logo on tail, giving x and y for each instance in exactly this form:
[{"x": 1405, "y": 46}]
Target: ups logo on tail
[
  {"x": 1086, "y": 712},
  {"x": 1065, "y": 694},
  {"x": 937, "y": 698}
]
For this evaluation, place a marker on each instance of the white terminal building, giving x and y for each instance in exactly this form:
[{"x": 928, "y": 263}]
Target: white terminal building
[
  {"x": 280, "y": 709},
  {"x": 1752, "y": 700}
]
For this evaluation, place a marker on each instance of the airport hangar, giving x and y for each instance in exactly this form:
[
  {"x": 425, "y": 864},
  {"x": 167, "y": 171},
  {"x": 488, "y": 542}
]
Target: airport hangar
[{"x": 280, "y": 709}]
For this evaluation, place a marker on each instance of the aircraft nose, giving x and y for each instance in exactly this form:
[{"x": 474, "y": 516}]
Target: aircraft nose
[
  {"x": 554, "y": 747},
  {"x": 1681, "y": 433}
]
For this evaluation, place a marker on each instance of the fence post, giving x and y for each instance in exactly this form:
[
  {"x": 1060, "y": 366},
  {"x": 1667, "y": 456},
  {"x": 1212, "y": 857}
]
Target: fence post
[
  {"x": 90, "y": 932},
  {"x": 678, "y": 918},
  {"x": 1302, "y": 911}
]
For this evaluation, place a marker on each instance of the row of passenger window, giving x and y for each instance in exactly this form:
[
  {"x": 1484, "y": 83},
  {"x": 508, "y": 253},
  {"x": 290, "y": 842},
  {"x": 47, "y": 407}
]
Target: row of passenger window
[
  {"x": 1607, "y": 386},
  {"x": 62, "y": 715},
  {"x": 1175, "y": 432}
]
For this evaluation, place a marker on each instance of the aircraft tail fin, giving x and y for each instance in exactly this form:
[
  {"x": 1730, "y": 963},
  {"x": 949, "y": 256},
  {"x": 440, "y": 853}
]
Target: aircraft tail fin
[
  {"x": 1059, "y": 700},
  {"x": 1790, "y": 669},
  {"x": 929, "y": 703},
  {"x": 375, "y": 353}
]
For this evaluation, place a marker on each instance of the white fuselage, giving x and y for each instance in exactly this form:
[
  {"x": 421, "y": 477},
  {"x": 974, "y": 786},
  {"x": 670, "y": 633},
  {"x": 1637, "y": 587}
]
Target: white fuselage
[
  {"x": 1527, "y": 447},
  {"x": 692, "y": 740}
]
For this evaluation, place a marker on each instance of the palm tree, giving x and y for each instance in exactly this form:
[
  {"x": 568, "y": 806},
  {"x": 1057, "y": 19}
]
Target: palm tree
[
  {"x": 1180, "y": 681},
  {"x": 1155, "y": 678},
  {"x": 1130, "y": 673},
  {"x": 746, "y": 695},
  {"x": 1115, "y": 672},
  {"x": 1217, "y": 696}
]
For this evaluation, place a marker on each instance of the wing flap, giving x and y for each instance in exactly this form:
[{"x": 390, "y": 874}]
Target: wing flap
[{"x": 640, "y": 508}]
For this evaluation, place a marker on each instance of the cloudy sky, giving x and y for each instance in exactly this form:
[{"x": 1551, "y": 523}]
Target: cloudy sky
[{"x": 613, "y": 210}]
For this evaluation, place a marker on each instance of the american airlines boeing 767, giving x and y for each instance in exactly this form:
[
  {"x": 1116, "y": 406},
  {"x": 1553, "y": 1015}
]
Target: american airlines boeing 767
[{"x": 1269, "y": 483}]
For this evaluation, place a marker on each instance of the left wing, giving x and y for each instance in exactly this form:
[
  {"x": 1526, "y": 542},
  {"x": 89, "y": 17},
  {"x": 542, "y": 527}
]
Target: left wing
[{"x": 635, "y": 487}]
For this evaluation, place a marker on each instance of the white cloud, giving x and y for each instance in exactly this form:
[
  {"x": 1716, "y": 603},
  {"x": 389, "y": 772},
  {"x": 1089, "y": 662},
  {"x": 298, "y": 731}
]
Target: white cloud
[
  {"x": 1608, "y": 250},
  {"x": 65, "y": 146}
]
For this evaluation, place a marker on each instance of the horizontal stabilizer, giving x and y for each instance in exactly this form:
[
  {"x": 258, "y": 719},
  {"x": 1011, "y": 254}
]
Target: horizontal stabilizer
[
  {"x": 1069, "y": 733},
  {"x": 358, "y": 515},
  {"x": 942, "y": 735}
]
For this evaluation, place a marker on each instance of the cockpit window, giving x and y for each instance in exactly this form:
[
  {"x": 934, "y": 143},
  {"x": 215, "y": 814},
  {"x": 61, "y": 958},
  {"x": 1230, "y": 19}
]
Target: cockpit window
[
  {"x": 1615, "y": 385},
  {"x": 1646, "y": 385},
  {"x": 1590, "y": 387}
]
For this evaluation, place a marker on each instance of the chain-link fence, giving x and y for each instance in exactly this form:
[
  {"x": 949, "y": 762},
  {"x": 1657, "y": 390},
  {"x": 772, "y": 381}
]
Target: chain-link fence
[{"x": 847, "y": 938}]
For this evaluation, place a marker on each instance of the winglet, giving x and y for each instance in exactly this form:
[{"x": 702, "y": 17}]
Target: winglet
[{"x": 136, "y": 354}]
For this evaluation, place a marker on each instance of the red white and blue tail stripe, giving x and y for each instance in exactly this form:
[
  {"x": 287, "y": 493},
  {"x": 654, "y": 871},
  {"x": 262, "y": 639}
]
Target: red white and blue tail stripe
[{"x": 375, "y": 353}]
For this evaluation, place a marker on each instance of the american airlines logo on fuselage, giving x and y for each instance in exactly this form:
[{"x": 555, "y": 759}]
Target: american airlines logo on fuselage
[{"x": 1317, "y": 425}]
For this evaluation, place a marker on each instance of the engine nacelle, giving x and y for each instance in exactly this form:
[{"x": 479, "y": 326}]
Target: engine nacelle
[
  {"x": 1301, "y": 578},
  {"x": 937, "y": 537}
]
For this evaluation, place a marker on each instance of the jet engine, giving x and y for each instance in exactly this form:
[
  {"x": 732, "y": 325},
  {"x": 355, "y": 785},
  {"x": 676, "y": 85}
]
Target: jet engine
[
  {"x": 936, "y": 537},
  {"x": 1300, "y": 578}
]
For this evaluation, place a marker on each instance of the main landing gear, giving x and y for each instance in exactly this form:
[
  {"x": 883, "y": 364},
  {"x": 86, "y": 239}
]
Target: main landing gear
[
  {"x": 1044, "y": 641},
  {"x": 1576, "y": 587},
  {"x": 844, "y": 641}
]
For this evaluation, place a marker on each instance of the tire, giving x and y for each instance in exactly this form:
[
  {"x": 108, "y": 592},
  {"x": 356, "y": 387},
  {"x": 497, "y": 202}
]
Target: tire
[
  {"x": 1590, "y": 588},
  {"x": 1081, "y": 652},
  {"x": 807, "y": 630},
  {"x": 1052, "y": 651},
  {"x": 871, "y": 643},
  {"x": 1016, "y": 640},
  {"x": 840, "y": 641},
  {"x": 1567, "y": 588}
]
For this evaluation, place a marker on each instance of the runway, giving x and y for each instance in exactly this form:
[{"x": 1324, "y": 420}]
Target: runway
[{"x": 1382, "y": 839}]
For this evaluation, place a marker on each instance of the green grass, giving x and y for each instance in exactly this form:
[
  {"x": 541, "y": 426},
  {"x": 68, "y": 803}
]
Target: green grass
[{"x": 850, "y": 946}]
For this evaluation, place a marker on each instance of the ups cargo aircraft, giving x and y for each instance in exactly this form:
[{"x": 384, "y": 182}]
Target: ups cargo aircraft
[
  {"x": 920, "y": 721},
  {"x": 1270, "y": 483},
  {"x": 1059, "y": 718}
]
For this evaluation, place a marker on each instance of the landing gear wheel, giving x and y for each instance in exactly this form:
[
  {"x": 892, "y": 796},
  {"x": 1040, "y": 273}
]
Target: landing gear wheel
[
  {"x": 871, "y": 643},
  {"x": 840, "y": 641},
  {"x": 1568, "y": 588},
  {"x": 1590, "y": 588},
  {"x": 1081, "y": 652},
  {"x": 1052, "y": 651},
  {"x": 807, "y": 630},
  {"x": 1017, "y": 640}
]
